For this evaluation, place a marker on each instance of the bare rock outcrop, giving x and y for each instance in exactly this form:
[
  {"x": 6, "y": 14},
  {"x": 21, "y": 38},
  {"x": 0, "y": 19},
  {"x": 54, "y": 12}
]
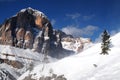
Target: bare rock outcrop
[{"x": 31, "y": 29}]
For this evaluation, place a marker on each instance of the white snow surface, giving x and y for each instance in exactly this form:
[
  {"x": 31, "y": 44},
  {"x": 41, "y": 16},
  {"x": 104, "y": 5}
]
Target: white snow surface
[{"x": 87, "y": 65}]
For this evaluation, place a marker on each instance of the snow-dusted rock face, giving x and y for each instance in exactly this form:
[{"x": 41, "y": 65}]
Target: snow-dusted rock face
[
  {"x": 16, "y": 61},
  {"x": 5, "y": 75},
  {"x": 30, "y": 28},
  {"x": 76, "y": 44}
]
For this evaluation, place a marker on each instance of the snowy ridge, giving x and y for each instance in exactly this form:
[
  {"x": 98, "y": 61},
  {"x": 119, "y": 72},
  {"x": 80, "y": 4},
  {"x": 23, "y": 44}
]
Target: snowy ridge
[
  {"x": 17, "y": 52},
  {"x": 87, "y": 65},
  {"x": 35, "y": 12}
]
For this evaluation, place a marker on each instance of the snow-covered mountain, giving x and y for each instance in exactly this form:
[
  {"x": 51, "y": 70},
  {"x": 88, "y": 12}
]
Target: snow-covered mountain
[
  {"x": 30, "y": 49},
  {"x": 31, "y": 29},
  {"x": 87, "y": 65},
  {"x": 28, "y": 39}
]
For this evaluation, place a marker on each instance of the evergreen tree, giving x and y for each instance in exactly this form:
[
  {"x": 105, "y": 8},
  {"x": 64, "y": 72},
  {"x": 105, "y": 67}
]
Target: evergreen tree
[{"x": 105, "y": 42}]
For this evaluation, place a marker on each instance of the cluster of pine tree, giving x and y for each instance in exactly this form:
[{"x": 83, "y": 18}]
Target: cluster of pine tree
[{"x": 105, "y": 46}]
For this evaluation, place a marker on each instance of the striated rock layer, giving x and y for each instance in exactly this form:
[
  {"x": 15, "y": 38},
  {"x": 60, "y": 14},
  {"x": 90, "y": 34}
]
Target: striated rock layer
[{"x": 31, "y": 29}]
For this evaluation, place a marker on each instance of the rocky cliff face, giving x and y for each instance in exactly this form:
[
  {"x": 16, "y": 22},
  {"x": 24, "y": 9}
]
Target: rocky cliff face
[{"x": 31, "y": 29}]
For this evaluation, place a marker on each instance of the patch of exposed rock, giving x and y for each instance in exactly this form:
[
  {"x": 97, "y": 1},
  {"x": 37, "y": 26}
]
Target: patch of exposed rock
[
  {"x": 15, "y": 64},
  {"x": 53, "y": 77}
]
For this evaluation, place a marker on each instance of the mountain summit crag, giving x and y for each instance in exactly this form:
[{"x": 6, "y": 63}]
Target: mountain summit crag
[{"x": 30, "y": 28}]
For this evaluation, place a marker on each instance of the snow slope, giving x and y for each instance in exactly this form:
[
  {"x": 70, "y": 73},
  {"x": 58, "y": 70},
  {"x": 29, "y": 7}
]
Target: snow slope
[
  {"x": 26, "y": 57},
  {"x": 87, "y": 65},
  {"x": 22, "y": 55}
]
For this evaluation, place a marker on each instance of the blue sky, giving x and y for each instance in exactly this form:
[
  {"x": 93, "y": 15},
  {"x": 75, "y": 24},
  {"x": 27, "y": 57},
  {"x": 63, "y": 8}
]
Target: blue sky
[{"x": 86, "y": 18}]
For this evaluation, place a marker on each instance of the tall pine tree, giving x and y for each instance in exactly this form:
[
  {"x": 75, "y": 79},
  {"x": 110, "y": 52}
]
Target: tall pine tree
[{"x": 105, "y": 46}]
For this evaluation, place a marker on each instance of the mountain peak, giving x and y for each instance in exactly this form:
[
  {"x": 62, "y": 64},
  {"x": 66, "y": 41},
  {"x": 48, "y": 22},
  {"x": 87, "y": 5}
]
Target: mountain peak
[
  {"x": 33, "y": 12},
  {"x": 31, "y": 29}
]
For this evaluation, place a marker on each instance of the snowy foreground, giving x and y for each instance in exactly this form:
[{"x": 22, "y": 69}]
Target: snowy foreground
[
  {"x": 87, "y": 65},
  {"x": 25, "y": 56}
]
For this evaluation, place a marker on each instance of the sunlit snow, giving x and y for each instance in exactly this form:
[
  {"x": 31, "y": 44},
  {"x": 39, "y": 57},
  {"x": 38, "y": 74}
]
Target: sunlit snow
[{"x": 87, "y": 65}]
